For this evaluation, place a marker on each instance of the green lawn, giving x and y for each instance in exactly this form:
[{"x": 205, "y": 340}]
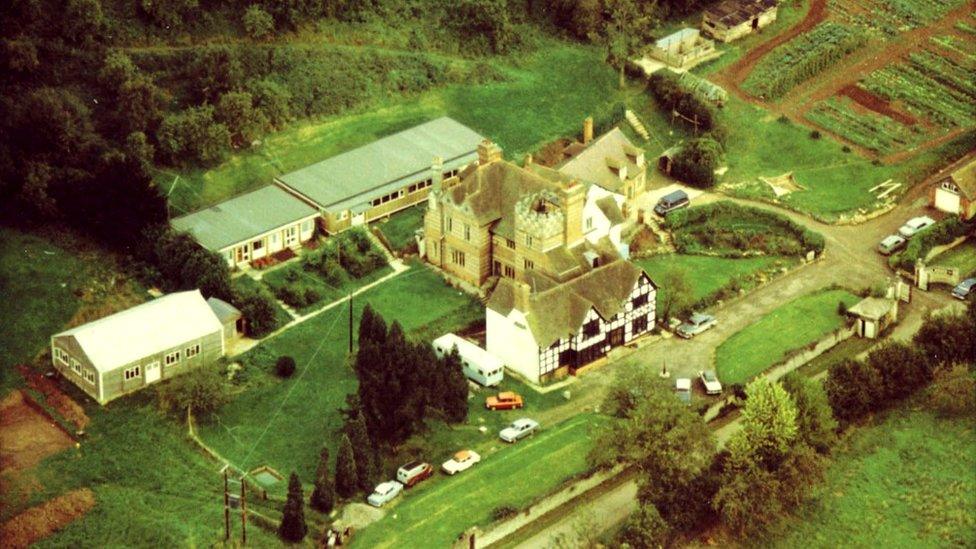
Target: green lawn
[
  {"x": 546, "y": 95},
  {"x": 327, "y": 293},
  {"x": 433, "y": 514},
  {"x": 844, "y": 350},
  {"x": 962, "y": 257},
  {"x": 283, "y": 423},
  {"x": 400, "y": 228},
  {"x": 790, "y": 326},
  {"x": 906, "y": 482},
  {"x": 708, "y": 275}
]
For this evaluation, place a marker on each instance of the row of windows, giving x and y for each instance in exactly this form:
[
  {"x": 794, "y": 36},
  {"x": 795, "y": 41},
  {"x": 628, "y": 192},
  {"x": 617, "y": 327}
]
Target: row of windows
[
  {"x": 174, "y": 357},
  {"x": 87, "y": 374},
  {"x": 467, "y": 228},
  {"x": 387, "y": 197},
  {"x": 61, "y": 356},
  {"x": 419, "y": 186},
  {"x": 457, "y": 257},
  {"x": 503, "y": 270},
  {"x": 132, "y": 373}
]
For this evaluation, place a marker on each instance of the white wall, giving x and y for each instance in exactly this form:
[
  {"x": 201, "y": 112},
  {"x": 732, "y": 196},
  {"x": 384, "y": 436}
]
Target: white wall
[
  {"x": 601, "y": 225},
  {"x": 510, "y": 339}
]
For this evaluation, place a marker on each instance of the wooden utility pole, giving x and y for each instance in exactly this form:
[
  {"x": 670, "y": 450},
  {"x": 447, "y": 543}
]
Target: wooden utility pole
[
  {"x": 226, "y": 508},
  {"x": 350, "y": 322},
  {"x": 243, "y": 514}
]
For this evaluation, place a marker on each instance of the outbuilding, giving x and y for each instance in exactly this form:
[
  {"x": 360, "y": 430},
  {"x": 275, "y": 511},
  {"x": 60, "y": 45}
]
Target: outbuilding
[
  {"x": 956, "y": 193},
  {"x": 478, "y": 364},
  {"x": 733, "y": 19},
  {"x": 127, "y": 351},
  {"x": 873, "y": 315}
]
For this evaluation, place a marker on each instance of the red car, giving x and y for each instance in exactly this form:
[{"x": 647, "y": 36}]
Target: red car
[
  {"x": 506, "y": 400},
  {"x": 414, "y": 473}
]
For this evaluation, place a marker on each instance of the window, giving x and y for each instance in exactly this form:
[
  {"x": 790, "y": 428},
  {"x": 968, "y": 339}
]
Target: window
[
  {"x": 75, "y": 366},
  {"x": 529, "y": 264},
  {"x": 450, "y": 224},
  {"x": 132, "y": 373},
  {"x": 172, "y": 358},
  {"x": 591, "y": 328},
  {"x": 467, "y": 232},
  {"x": 510, "y": 243},
  {"x": 193, "y": 351},
  {"x": 496, "y": 268},
  {"x": 60, "y": 355},
  {"x": 528, "y": 239},
  {"x": 509, "y": 271},
  {"x": 640, "y": 300},
  {"x": 589, "y": 222},
  {"x": 457, "y": 257},
  {"x": 89, "y": 376},
  {"x": 274, "y": 238},
  {"x": 258, "y": 244},
  {"x": 639, "y": 325}
]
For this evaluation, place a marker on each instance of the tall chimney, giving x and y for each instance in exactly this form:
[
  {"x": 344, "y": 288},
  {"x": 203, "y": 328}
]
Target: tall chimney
[
  {"x": 488, "y": 152},
  {"x": 574, "y": 198},
  {"x": 587, "y": 130},
  {"x": 522, "y": 294},
  {"x": 436, "y": 173}
]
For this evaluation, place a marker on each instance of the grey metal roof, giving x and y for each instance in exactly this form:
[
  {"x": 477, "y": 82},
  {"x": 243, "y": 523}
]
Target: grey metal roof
[
  {"x": 225, "y": 311},
  {"x": 243, "y": 217},
  {"x": 361, "y": 174}
]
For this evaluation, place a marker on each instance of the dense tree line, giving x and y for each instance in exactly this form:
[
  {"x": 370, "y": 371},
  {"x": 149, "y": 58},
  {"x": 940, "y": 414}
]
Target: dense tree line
[{"x": 402, "y": 383}]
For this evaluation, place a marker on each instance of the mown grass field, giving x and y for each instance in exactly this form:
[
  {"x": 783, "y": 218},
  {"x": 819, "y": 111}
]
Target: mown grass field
[
  {"x": 284, "y": 423},
  {"x": 545, "y": 96},
  {"x": 38, "y": 281},
  {"x": 433, "y": 515},
  {"x": 790, "y": 326},
  {"x": 327, "y": 292},
  {"x": 907, "y": 481},
  {"x": 707, "y": 275}
]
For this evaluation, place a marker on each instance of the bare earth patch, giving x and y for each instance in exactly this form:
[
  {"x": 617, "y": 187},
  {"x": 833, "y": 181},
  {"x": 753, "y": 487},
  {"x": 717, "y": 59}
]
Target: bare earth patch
[
  {"x": 42, "y": 520},
  {"x": 26, "y": 435}
]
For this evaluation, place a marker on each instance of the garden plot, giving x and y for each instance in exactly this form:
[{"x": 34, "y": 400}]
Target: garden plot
[
  {"x": 891, "y": 17},
  {"x": 846, "y": 118}
]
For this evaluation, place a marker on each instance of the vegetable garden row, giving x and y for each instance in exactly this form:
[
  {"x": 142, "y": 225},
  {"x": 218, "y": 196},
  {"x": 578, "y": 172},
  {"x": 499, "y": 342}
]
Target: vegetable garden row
[
  {"x": 868, "y": 129},
  {"x": 801, "y": 59},
  {"x": 891, "y": 17}
]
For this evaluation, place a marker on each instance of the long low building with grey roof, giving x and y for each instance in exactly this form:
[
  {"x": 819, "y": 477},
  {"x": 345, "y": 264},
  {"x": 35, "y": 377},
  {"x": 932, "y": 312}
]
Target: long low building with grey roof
[
  {"x": 251, "y": 226},
  {"x": 385, "y": 176}
]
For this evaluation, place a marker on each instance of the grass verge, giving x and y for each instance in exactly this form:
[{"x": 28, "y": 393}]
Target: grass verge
[{"x": 709, "y": 275}]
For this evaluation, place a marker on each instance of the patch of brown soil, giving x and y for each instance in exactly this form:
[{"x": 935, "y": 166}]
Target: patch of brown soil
[
  {"x": 55, "y": 398},
  {"x": 45, "y": 519},
  {"x": 26, "y": 435},
  {"x": 736, "y": 73},
  {"x": 874, "y": 103}
]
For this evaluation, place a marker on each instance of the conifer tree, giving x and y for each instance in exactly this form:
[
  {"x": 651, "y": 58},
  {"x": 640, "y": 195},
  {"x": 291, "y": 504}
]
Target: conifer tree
[
  {"x": 293, "y": 526},
  {"x": 347, "y": 478},
  {"x": 323, "y": 496},
  {"x": 362, "y": 450}
]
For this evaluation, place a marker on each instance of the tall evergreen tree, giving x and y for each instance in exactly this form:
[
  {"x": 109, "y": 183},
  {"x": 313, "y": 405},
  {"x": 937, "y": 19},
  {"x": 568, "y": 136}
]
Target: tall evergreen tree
[
  {"x": 372, "y": 327},
  {"x": 347, "y": 478},
  {"x": 293, "y": 526},
  {"x": 323, "y": 495},
  {"x": 453, "y": 388},
  {"x": 367, "y": 467}
]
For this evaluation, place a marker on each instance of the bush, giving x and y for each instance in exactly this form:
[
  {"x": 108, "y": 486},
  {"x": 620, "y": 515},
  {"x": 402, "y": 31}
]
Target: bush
[
  {"x": 815, "y": 134},
  {"x": 697, "y": 161},
  {"x": 846, "y": 149},
  {"x": 668, "y": 91},
  {"x": 203, "y": 390},
  {"x": 841, "y": 308},
  {"x": 258, "y": 23},
  {"x": 853, "y": 389},
  {"x": 258, "y": 307},
  {"x": 503, "y": 512},
  {"x": 285, "y": 366},
  {"x": 921, "y": 244}
]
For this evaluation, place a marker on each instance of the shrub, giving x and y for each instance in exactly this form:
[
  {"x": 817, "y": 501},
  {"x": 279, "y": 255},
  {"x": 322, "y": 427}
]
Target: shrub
[
  {"x": 921, "y": 244},
  {"x": 202, "y": 390},
  {"x": 285, "y": 366},
  {"x": 503, "y": 512},
  {"x": 853, "y": 389},
  {"x": 668, "y": 91},
  {"x": 841, "y": 308},
  {"x": 258, "y": 307},
  {"x": 258, "y": 23},
  {"x": 697, "y": 161},
  {"x": 815, "y": 134},
  {"x": 846, "y": 149}
]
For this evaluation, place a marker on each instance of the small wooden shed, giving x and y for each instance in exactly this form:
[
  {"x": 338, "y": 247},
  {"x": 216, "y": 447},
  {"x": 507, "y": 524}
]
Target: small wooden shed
[{"x": 873, "y": 314}]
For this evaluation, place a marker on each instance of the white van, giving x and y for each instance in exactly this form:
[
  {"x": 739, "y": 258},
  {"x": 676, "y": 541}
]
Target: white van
[{"x": 477, "y": 364}]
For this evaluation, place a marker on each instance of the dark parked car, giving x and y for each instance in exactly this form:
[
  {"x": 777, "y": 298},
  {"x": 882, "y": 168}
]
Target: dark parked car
[
  {"x": 671, "y": 202},
  {"x": 964, "y": 289}
]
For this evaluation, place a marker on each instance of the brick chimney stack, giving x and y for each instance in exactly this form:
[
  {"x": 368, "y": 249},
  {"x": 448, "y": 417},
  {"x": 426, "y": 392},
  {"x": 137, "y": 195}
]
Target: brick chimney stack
[
  {"x": 587, "y": 130},
  {"x": 488, "y": 152},
  {"x": 436, "y": 173},
  {"x": 574, "y": 197},
  {"x": 522, "y": 294}
]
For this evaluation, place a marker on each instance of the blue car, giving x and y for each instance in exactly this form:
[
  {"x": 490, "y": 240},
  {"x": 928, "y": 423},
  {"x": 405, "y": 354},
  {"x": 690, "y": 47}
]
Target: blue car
[{"x": 964, "y": 288}]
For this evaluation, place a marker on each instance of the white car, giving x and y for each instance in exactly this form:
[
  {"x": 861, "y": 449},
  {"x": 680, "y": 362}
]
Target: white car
[
  {"x": 682, "y": 386},
  {"x": 697, "y": 323},
  {"x": 384, "y": 493},
  {"x": 519, "y": 429},
  {"x": 461, "y": 461},
  {"x": 914, "y": 225},
  {"x": 712, "y": 385}
]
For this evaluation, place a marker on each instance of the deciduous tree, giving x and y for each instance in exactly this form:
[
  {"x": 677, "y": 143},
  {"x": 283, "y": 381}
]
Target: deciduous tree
[{"x": 815, "y": 421}]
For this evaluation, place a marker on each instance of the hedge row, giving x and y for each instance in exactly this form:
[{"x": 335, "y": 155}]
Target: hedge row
[{"x": 943, "y": 232}]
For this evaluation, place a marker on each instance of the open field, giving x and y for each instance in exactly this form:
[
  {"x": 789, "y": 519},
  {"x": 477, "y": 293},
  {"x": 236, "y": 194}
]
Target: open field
[
  {"x": 546, "y": 95},
  {"x": 791, "y": 326},
  {"x": 282, "y": 423},
  {"x": 962, "y": 257},
  {"x": 434, "y": 513},
  {"x": 708, "y": 275},
  {"x": 906, "y": 481}
]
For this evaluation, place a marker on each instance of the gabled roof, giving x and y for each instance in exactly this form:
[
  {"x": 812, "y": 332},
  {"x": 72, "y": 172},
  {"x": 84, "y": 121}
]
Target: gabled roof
[
  {"x": 676, "y": 38},
  {"x": 560, "y": 310},
  {"x": 594, "y": 163},
  {"x": 155, "y": 326},
  {"x": 733, "y": 12},
  {"x": 225, "y": 311},
  {"x": 355, "y": 176},
  {"x": 608, "y": 205},
  {"x": 965, "y": 179},
  {"x": 243, "y": 217},
  {"x": 872, "y": 308}
]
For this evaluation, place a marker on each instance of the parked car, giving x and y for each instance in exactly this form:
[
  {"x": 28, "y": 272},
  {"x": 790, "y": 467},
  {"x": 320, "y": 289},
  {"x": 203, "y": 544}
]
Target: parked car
[
  {"x": 414, "y": 472},
  {"x": 671, "y": 202},
  {"x": 696, "y": 324},
  {"x": 712, "y": 385},
  {"x": 682, "y": 386},
  {"x": 891, "y": 244},
  {"x": 914, "y": 225},
  {"x": 519, "y": 429},
  {"x": 964, "y": 289},
  {"x": 461, "y": 461},
  {"x": 384, "y": 493},
  {"x": 506, "y": 400}
]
